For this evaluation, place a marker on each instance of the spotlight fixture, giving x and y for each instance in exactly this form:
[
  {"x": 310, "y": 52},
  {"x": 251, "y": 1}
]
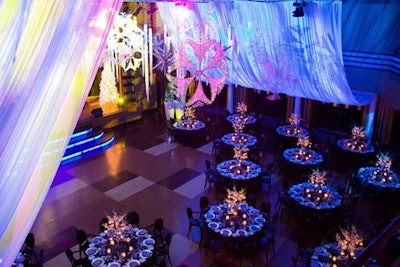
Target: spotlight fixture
[{"x": 299, "y": 9}]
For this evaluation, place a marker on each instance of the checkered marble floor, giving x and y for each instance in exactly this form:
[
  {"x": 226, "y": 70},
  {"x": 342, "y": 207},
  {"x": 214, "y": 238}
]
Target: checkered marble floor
[{"x": 156, "y": 178}]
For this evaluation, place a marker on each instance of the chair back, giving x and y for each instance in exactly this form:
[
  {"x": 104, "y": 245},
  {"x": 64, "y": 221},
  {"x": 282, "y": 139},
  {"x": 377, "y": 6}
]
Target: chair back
[{"x": 189, "y": 213}]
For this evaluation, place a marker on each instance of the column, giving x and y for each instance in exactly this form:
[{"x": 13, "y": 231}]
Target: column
[
  {"x": 229, "y": 98},
  {"x": 369, "y": 121}
]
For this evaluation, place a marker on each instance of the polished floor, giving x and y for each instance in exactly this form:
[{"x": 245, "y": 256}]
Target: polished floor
[{"x": 159, "y": 179}]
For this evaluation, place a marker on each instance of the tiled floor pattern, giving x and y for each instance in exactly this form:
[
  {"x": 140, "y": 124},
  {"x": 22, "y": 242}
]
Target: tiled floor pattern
[{"x": 143, "y": 172}]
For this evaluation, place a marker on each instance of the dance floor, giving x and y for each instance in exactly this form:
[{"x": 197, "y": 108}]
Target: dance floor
[{"x": 158, "y": 179}]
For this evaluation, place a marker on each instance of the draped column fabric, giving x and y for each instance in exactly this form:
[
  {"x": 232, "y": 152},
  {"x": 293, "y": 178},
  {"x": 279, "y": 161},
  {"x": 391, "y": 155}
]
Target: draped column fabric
[
  {"x": 268, "y": 48},
  {"x": 50, "y": 53}
]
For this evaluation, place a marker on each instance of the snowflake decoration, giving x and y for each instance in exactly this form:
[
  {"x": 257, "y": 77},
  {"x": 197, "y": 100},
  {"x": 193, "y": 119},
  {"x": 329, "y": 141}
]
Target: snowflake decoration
[
  {"x": 241, "y": 108},
  {"x": 384, "y": 161},
  {"x": 318, "y": 177},
  {"x": 273, "y": 97},
  {"x": 358, "y": 132},
  {"x": 304, "y": 141},
  {"x": 164, "y": 56},
  {"x": 115, "y": 221},
  {"x": 235, "y": 197},
  {"x": 238, "y": 127},
  {"x": 207, "y": 60},
  {"x": 348, "y": 241},
  {"x": 294, "y": 119},
  {"x": 125, "y": 43},
  {"x": 240, "y": 152},
  {"x": 189, "y": 113}
]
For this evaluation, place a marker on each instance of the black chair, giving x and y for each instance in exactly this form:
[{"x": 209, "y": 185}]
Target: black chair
[
  {"x": 81, "y": 260},
  {"x": 194, "y": 222},
  {"x": 133, "y": 219},
  {"x": 266, "y": 176},
  {"x": 211, "y": 176}
]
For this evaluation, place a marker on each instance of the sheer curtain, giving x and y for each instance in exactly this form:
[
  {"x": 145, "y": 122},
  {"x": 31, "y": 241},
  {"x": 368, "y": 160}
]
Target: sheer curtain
[
  {"x": 269, "y": 48},
  {"x": 50, "y": 52}
]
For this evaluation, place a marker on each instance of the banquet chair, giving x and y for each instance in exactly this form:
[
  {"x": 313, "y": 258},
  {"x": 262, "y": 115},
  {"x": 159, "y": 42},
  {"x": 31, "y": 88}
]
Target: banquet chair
[
  {"x": 133, "y": 218},
  {"x": 266, "y": 176},
  {"x": 194, "y": 222},
  {"x": 81, "y": 260},
  {"x": 211, "y": 175}
]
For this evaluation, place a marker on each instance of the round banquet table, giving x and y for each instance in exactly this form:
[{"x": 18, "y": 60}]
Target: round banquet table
[
  {"x": 239, "y": 139},
  {"x": 310, "y": 157},
  {"x": 292, "y": 131},
  {"x": 189, "y": 125},
  {"x": 327, "y": 254},
  {"x": 305, "y": 195},
  {"x": 373, "y": 184},
  {"x": 347, "y": 145},
  {"x": 247, "y": 171},
  {"x": 246, "y": 176},
  {"x": 247, "y": 223},
  {"x": 189, "y": 131},
  {"x": 241, "y": 118},
  {"x": 125, "y": 246}
]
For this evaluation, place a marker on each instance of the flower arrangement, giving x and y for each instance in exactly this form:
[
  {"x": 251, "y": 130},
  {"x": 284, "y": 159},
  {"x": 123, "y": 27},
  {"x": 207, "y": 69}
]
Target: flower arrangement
[
  {"x": 170, "y": 93},
  {"x": 358, "y": 132},
  {"x": 384, "y": 161},
  {"x": 348, "y": 242},
  {"x": 241, "y": 108},
  {"x": 294, "y": 119},
  {"x": 304, "y": 141},
  {"x": 240, "y": 153},
  {"x": 235, "y": 197},
  {"x": 115, "y": 221},
  {"x": 189, "y": 113},
  {"x": 318, "y": 177}
]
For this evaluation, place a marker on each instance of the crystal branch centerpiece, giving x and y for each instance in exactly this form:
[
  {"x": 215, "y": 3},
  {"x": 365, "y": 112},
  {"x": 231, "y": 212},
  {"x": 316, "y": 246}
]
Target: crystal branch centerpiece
[{"x": 383, "y": 172}]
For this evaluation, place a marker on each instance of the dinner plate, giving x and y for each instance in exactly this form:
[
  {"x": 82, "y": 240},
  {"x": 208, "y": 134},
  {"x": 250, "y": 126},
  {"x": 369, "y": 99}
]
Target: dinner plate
[
  {"x": 213, "y": 225},
  {"x": 97, "y": 262},
  {"x": 91, "y": 251},
  {"x": 97, "y": 240},
  {"x": 146, "y": 253},
  {"x": 141, "y": 232},
  {"x": 259, "y": 220},
  {"x": 210, "y": 215},
  {"x": 254, "y": 228},
  {"x": 133, "y": 263},
  {"x": 148, "y": 242},
  {"x": 215, "y": 208},
  {"x": 226, "y": 232},
  {"x": 114, "y": 264},
  {"x": 254, "y": 211},
  {"x": 241, "y": 232}
]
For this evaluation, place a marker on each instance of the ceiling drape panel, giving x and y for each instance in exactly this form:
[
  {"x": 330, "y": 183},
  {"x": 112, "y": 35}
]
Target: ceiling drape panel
[
  {"x": 270, "y": 49},
  {"x": 50, "y": 53}
]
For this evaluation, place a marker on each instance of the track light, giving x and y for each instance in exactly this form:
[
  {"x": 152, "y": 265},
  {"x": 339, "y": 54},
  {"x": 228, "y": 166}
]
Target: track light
[{"x": 299, "y": 9}]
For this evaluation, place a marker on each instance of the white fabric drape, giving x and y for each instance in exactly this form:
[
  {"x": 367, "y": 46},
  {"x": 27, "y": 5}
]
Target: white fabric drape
[
  {"x": 272, "y": 50},
  {"x": 50, "y": 52}
]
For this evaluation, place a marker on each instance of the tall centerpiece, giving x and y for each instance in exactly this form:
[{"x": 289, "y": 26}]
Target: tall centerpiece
[
  {"x": 349, "y": 241},
  {"x": 189, "y": 119},
  {"x": 304, "y": 143},
  {"x": 383, "y": 172},
  {"x": 240, "y": 168},
  {"x": 234, "y": 200},
  {"x": 358, "y": 141},
  {"x": 318, "y": 193},
  {"x": 294, "y": 122}
]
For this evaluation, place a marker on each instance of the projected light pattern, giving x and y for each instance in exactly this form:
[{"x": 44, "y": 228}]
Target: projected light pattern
[{"x": 50, "y": 53}]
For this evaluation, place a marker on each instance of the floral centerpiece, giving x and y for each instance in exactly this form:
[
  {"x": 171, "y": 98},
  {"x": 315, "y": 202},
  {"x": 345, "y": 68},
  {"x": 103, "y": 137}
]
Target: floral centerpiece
[
  {"x": 382, "y": 173},
  {"x": 189, "y": 119},
  {"x": 241, "y": 108},
  {"x": 318, "y": 177},
  {"x": 349, "y": 241},
  {"x": 294, "y": 119},
  {"x": 118, "y": 242},
  {"x": 318, "y": 193},
  {"x": 234, "y": 201},
  {"x": 358, "y": 141},
  {"x": 240, "y": 168},
  {"x": 304, "y": 143},
  {"x": 172, "y": 104}
]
